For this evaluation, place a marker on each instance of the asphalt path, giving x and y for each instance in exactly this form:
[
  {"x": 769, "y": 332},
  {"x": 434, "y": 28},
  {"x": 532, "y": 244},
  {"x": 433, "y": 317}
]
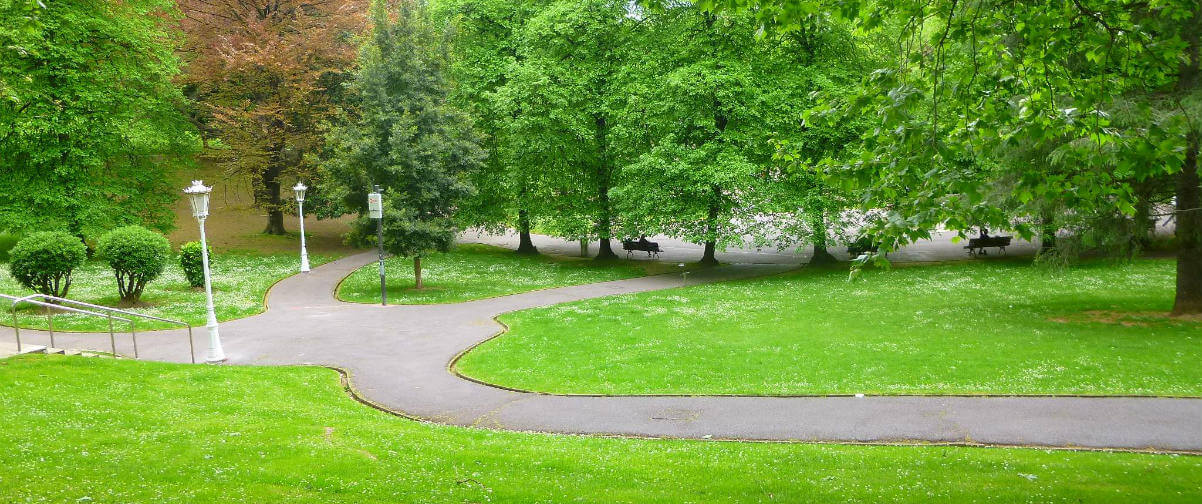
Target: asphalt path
[{"x": 399, "y": 358}]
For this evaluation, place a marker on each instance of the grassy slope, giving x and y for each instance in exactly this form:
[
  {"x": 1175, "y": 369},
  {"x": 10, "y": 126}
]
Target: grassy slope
[
  {"x": 474, "y": 271},
  {"x": 240, "y": 282},
  {"x": 993, "y": 327},
  {"x": 92, "y": 430}
]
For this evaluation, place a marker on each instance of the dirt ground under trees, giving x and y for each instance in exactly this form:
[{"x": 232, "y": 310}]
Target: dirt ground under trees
[{"x": 235, "y": 223}]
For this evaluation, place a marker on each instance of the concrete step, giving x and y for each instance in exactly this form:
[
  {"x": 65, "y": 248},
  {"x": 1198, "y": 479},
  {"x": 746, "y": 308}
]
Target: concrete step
[
  {"x": 31, "y": 349},
  {"x": 89, "y": 353},
  {"x": 9, "y": 349}
]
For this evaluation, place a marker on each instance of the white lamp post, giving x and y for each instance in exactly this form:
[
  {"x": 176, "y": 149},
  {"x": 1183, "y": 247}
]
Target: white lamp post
[
  {"x": 199, "y": 194},
  {"x": 299, "y": 190}
]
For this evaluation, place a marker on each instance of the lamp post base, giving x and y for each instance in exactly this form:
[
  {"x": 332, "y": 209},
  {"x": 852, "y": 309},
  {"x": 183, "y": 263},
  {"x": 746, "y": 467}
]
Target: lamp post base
[
  {"x": 216, "y": 353},
  {"x": 305, "y": 263}
]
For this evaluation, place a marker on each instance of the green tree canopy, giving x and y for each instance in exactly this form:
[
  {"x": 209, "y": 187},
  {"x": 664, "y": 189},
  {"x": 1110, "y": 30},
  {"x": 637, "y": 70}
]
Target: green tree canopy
[
  {"x": 565, "y": 97},
  {"x": 403, "y": 135},
  {"x": 1103, "y": 95},
  {"x": 486, "y": 46},
  {"x": 90, "y": 121},
  {"x": 708, "y": 104}
]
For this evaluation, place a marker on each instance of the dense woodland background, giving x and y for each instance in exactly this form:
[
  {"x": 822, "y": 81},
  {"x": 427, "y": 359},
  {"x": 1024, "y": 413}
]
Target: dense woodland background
[{"x": 718, "y": 122}]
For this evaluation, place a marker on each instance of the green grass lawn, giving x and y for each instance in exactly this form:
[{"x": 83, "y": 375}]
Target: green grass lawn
[
  {"x": 475, "y": 271},
  {"x": 105, "y": 431},
  {"x": 240, "y": 282},
  {"x": 995, "y": 327}
]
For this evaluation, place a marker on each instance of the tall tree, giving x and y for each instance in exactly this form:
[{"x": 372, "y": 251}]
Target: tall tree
[
  {"x": 267, "y": 74},
  {"x": 700, "y": 105},
  {"x": 402, "y": 134},
  {"x": 803, "y": 207},
  {"x": 712, "y": 100},
  {"x": 486, "y": 37},
  {"x": 91, "y": 127},
  {"x": 566, "y": 96},
  {"x": 973, "y": 80}
]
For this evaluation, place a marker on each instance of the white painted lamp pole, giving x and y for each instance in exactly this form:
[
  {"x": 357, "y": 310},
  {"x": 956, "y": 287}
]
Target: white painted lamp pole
[
  {"x": 199, "y": 194},
  {"x": 299, "y": 190}
]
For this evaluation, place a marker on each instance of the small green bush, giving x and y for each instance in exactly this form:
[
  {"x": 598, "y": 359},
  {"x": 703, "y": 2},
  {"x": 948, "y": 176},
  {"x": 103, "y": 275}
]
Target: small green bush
[
  {"x": 8, "y": 240},
  {"x": 137, "y": 256},
  {"x": 44, "y": 261},
  {"x": 192, "y": 263}
]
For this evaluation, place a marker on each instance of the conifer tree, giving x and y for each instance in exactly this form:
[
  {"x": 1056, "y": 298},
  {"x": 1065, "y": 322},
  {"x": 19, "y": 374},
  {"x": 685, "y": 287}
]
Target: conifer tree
[{"x": 401, "y": 133}]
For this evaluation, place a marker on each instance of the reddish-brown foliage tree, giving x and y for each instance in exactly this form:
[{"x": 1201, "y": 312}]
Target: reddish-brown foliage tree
[{"x": 266, "y": 74}]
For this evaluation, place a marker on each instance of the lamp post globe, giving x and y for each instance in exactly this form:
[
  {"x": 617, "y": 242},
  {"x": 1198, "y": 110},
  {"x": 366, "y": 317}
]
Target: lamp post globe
[
  {"x": 299, "y": 191},
  {"x": 198, "y": 195}
]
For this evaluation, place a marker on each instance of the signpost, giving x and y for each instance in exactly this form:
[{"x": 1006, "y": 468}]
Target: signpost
[{"x": 375, "y": 210}]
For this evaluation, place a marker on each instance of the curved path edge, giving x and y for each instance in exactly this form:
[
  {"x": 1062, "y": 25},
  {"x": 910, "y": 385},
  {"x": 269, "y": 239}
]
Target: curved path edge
[
  {"x": 396, "y": 358},
  {"x": 348, "y": 386},
  {"x": 453, "y": 368}
]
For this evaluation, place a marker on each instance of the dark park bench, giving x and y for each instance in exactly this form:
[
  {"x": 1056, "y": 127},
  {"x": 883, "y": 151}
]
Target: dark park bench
[
  {"x": 976, "y": 246},
  {"x": 861, "y": 246},
  {"x": 632, "y": 246}
]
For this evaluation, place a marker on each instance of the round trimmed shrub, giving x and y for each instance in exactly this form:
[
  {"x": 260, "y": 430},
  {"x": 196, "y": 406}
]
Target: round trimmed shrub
[
  {"x": 137, "y": 256},
  {"x": 44, "y": 261},
  {"x": 192, "y": 263}
]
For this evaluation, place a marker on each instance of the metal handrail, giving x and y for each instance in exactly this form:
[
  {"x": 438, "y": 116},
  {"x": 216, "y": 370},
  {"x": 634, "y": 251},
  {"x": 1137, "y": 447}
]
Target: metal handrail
[
  {"x": 30, "y": 299},
  {"x": 132, "y": 331}
]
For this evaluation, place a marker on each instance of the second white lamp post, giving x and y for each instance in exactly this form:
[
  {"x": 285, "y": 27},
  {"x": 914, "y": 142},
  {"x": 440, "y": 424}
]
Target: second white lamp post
[
  {"x": 199, "y": 194},
  {"x": 299, "y": 190}
]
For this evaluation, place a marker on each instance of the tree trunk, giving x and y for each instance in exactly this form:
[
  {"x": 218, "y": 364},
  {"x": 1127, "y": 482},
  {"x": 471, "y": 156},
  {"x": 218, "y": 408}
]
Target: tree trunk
[
  {"x": 604, "y": 222},
  {"x": 711, "y": 231},
  {"x": 525, "y": 244},
  {"x": 604, "y": 251},
  {"x": 125, "y": 291},
  {"x": 603, "y": 227},
  {"x": 1145, "y": 224},
  {"x": 1189, "y": 233},
  {"x": 821, "y": 254},
  {"x": 584, "y": 247},
  {"x": 707, "y": 257},
  {"x": 275, "y": 223},
  {"x": 417, "y": 272},
  {"x": 1189, "y": 201},
  {"x": 275, "y": 212},
  {"x": 1047, "y": 232},
  {"x": 711, "y": 221}
]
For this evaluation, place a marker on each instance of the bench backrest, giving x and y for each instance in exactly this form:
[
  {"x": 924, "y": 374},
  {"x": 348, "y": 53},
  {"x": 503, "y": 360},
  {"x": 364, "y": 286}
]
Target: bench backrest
[
  {"x": 633, "y": 245},
  {"x": 992, "y": 241}
]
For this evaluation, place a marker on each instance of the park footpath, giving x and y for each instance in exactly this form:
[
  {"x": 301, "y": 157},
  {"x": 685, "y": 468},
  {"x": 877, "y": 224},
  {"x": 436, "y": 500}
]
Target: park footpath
[{"x": 399, "y": 359}]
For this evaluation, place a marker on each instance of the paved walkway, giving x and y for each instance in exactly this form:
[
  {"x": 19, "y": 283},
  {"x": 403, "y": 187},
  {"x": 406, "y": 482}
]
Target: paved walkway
[
  {"x": 398, "y": 356},
  {"x": 939, "y": 248}
]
